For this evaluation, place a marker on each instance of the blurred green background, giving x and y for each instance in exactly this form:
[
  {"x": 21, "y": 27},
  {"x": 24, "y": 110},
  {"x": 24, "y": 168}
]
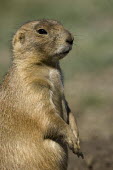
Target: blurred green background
[{"x": 88, "y": 69}]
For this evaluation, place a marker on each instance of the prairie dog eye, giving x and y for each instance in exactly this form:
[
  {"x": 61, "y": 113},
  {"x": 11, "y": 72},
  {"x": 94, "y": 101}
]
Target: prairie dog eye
[{"x": 41, "y": 31}]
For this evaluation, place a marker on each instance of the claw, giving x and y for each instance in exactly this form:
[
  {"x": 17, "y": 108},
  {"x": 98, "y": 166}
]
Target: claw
[{"x": 80, "y": 154}]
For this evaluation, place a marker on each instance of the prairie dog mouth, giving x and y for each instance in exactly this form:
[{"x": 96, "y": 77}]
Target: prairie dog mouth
[{"x": 64, "y": 50}]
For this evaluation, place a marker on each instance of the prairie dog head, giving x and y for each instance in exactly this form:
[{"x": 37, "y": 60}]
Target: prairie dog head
[{"x": 44, "y": 39}]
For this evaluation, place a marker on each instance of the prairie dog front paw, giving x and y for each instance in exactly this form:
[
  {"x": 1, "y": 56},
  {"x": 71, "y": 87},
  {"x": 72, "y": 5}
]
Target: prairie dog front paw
[{"x": 72, "y": 142}]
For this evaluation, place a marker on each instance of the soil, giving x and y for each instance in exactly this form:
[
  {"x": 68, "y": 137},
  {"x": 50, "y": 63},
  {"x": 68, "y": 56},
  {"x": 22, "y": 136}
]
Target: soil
[{"x": 96, "y": 133}]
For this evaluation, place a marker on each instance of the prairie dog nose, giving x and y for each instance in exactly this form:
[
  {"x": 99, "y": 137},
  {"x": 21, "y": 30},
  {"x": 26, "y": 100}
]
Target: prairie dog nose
[{"x": 70, "y": 40}]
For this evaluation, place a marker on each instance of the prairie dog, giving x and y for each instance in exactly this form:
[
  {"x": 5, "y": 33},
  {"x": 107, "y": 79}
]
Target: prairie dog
[{"x": 33, "y": 132}]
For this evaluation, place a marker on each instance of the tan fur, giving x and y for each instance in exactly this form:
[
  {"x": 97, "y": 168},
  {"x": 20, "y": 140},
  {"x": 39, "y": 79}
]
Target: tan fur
[{"x": 33, "y": 132}]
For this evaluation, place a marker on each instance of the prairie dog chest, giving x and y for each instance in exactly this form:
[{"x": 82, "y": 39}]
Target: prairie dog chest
[{"x": 56, "y": 80}]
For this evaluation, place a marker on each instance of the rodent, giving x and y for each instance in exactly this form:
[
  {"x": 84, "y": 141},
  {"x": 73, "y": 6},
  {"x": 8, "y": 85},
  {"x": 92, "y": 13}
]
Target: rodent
[{"x": 33, "y": 132}]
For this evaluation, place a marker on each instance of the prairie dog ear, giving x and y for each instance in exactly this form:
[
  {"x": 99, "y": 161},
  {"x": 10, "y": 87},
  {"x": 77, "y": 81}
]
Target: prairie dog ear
[{"x": 19, "y": 38}]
